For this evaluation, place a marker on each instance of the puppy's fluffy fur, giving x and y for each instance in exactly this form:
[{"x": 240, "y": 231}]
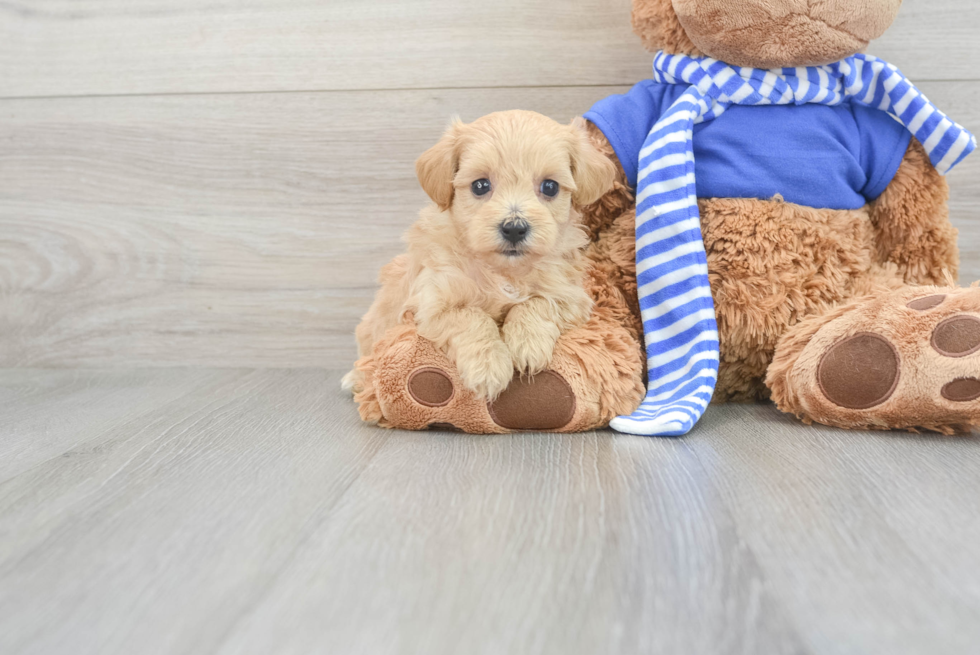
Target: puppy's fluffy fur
[{"x": 491, "y": 305}]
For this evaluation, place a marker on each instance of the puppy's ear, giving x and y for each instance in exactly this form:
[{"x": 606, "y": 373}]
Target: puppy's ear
[
  {"x": 592, "y": 171},
  {"x": 436, "y": 168}
]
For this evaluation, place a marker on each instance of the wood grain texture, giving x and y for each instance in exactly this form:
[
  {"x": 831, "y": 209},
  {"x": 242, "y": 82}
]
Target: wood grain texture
[
  {"x": 242, "y": 230},
  {"x": 234, "y": 230},
  {"x": 47, "y": 413},
  {"x": 254, "y": 514},
  {"x": 93, "y": 47},
  {"x": 155, "y": 534},
  {"x": 290, "y": 45},
  {"x": 878, "y": 529},
  {"x": 523, "y": 544}
]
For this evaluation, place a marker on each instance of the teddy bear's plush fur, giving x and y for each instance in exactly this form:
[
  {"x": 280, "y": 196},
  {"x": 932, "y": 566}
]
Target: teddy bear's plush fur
[{"x": 847, "y": 318}]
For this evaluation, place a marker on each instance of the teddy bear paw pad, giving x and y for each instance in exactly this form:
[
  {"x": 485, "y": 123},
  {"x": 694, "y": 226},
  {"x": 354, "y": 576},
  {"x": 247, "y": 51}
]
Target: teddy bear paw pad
[
  {"x": 430, "y": 387},
  {"x": 543, "y": 402},
  {"x": 927, "y": 303},
  {"x": 859, "y": 372},
  {"x": 962, "y": 391},
  {"x": 958, "y": 336}
]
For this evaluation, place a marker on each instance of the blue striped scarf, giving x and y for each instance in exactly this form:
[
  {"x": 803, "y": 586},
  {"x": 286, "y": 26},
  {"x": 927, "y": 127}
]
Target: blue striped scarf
[{"x": 671, "y": 265}]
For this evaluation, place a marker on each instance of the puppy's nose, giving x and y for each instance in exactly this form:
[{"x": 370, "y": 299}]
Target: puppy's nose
[{"x": 514, "y": 231}]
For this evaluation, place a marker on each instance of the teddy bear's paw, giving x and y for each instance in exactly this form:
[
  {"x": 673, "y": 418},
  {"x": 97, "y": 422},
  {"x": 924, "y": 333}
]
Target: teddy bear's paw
[
  {"x": 909, "y": 359},
  {"x": 436, "y": 399},
  {"x": 416, "y": 386},
  {"x": 542, "y": 402},
  {"x": 433, "y": 396}
]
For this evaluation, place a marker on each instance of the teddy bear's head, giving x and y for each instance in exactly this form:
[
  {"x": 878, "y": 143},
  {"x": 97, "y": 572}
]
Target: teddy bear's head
[{"x": 763, "y": 33}]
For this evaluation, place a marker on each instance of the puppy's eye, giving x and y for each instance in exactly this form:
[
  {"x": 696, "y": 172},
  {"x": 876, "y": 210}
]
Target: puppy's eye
[
  {"x": 481, "y": 187},
  {"x": 550, "y": 188}
]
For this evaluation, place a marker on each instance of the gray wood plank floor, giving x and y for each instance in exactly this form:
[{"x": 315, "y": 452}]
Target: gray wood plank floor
[{"x": 248, "y": 511}]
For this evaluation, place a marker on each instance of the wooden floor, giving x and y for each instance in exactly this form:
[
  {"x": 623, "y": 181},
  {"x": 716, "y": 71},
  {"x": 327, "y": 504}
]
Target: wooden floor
[{"x": 248, "y": 511}]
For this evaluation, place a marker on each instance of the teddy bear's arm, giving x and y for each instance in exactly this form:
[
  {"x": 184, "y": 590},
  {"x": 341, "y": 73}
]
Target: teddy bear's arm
[
  {"x": 600, "y": 215},
  {"x": 911, "y": 222}
]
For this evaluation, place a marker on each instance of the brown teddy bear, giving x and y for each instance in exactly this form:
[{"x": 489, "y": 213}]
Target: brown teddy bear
[{"x": 829, "y": 252}]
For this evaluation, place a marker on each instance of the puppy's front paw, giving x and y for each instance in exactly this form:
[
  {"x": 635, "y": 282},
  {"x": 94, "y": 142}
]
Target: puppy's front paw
[
  {"x": 485, "y": 369},
  {"x": 531, "y": 354},
  {"x": 531, "y": 341}
]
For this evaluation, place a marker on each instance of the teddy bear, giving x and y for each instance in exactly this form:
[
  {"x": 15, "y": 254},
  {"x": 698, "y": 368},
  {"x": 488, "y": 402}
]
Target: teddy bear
[{"x": 824, "y": 235}]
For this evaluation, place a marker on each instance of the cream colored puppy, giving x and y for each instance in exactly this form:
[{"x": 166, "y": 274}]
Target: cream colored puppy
[{"x": 493, "y": 273}]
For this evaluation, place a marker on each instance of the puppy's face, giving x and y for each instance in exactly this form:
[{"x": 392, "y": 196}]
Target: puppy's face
[{"x": 510, "y": 180}]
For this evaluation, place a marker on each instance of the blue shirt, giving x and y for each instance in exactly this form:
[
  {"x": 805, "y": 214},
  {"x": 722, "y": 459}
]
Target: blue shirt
[{"x": 837, "y": 157}]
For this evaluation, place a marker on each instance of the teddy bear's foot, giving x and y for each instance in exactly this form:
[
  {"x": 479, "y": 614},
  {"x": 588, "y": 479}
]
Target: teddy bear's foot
[
  {"x": 411, "y": 384},
  {"x": 594, "y": 375},
  {"x": 543, "y": 402},
  {"x": 908, "y": 359}
]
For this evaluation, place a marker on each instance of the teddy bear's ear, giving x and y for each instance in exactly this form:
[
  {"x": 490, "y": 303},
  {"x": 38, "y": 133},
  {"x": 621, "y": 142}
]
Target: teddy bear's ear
[
  {"x": 592, "y": 171},
  {"x": 436, "y": 168},
  {"x": 656, "y": 23}
]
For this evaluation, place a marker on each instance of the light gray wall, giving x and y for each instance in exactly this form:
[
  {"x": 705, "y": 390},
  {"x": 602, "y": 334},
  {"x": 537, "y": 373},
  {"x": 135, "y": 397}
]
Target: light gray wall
[{"x": 187, "y": 183}]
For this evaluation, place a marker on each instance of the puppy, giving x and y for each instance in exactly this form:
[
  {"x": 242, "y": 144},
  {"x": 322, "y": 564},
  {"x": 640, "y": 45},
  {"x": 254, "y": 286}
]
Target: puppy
[{"x": 494, "y": 268}]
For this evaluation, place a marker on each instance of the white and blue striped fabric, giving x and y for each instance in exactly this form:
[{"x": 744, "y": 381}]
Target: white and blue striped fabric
[{"x": 671, "y": 266}]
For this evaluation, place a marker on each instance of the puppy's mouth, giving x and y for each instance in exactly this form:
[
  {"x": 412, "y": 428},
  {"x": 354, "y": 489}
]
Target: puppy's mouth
[{"x": 512, "y": 252}]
